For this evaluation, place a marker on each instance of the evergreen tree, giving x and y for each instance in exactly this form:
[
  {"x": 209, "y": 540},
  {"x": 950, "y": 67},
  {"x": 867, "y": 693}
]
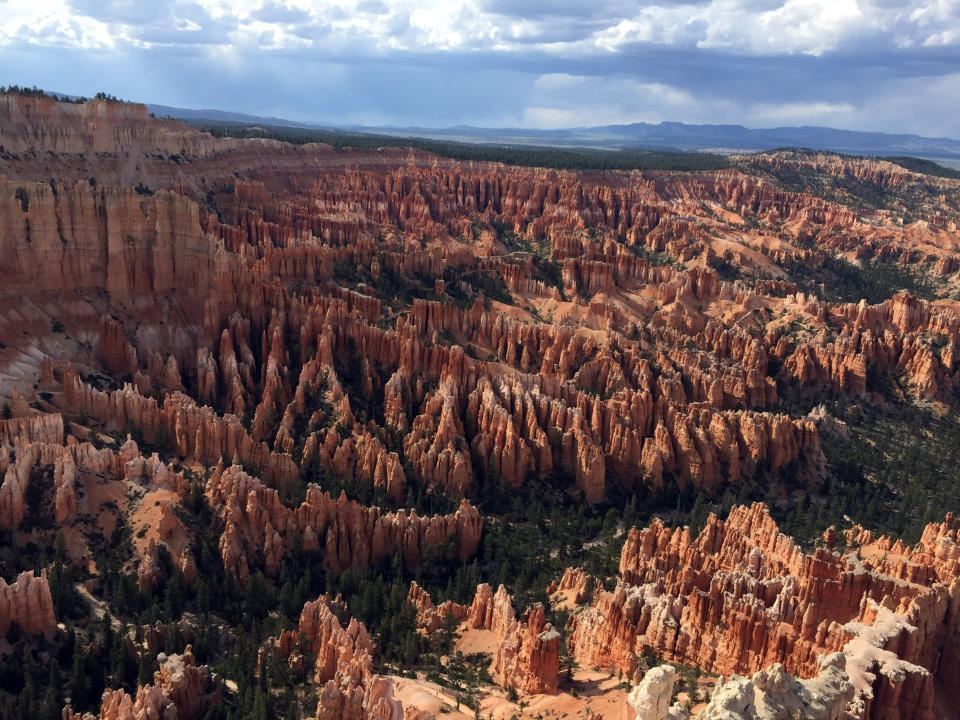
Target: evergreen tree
[
  {"x": 53, "y": 699},
  {"x": 79, "y": 685}
]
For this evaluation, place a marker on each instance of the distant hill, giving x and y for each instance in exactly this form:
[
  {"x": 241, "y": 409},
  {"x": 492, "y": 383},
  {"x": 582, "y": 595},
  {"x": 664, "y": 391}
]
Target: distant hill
[
  {"x": 224, "y": 116},
  {"x": 635, "y": 136},
  {"x": 701, "y": 138}
]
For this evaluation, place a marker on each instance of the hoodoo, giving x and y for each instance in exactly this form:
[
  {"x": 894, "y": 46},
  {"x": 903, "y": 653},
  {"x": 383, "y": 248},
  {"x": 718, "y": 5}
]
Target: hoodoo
[{"x": 351, "y": 433}]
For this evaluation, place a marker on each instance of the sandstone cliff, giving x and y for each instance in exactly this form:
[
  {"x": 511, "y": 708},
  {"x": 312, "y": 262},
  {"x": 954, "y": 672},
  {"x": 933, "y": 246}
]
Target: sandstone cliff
[
  {"x": 180, "y": 690},
  {"x": 342, "y": 666},
  {"x": 527, "y": 657},
  {"x": 27, "y": 603},
  {"x": 742, "y": 596}
]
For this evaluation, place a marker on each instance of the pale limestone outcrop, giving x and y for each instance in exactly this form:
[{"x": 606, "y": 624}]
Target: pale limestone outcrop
[
  {"x": 650, "y": 699},
  {"x": 771, "y": 694}
]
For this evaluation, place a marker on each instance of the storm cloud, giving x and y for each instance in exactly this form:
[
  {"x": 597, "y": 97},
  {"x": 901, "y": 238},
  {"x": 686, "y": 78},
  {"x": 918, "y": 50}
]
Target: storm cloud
[{"x": 874, "y": 65}]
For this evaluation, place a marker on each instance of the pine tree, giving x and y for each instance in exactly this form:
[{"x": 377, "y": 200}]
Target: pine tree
[
  {"x": 259, "y": 711},
  {"x": 53, "y": 700},
  {"x": 146, "y": 668},
  {"x": 79, "y": 686},
  {"x": 26, "y": 704},
  {"x": 123, "y": 667}
]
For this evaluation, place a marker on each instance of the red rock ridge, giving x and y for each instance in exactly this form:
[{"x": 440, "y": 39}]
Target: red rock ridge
[
  {"x": 342, "y": 666},
  {"x": 743, "y": 596},
  {"x": 345, "y": 533},
  {"x": 181, "y": 689},
  {"x": 528, "y": 650}
]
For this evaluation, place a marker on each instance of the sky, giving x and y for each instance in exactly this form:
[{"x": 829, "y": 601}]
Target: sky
[{"x": 876, "y": 65}]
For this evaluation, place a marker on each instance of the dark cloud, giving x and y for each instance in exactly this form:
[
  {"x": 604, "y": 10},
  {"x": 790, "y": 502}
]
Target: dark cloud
[{"x": 514, "y": 63}]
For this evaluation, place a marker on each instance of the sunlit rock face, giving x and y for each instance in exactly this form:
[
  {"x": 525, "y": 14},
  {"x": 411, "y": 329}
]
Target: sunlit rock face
[
  {"x": 256, "y": 326},
  {"x": 744, "y": 599}
]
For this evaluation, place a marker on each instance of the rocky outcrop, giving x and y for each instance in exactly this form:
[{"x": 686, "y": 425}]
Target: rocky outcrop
[
  {"x": 193, "y": 431},
  {"x": 344, "y": 533},
  {"x": 181, "y": 689},
  {"x": 342, "y": 666},
  {"x": 61, "y": 463},
  {"x": 650, "y": 700},
  {"x": 528, "y": 649},
  {"x": 891, "y": 337},
  {"x": 528, "y": 656},
  {"x": 14, "y": 489},
  {"x": 742, "y": 596},
  {"x": 771, "y": 694},
  {"x": 27, "y": 603},
  {"x": 361, "y": 457},
  {"x": 42, "y": 428},
  {"x": 435, "y": 444},
  {"x": 576, "y": 584},
  {"x": 774, "y": 694},
  {"x": 431, "y": 617}
]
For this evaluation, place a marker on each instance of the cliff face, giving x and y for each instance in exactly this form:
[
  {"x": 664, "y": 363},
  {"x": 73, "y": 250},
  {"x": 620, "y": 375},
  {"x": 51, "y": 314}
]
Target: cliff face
[
  {"x": 742, "y": 596},
  {"x": 77, "y": 237},
  {"x": 319, "y": 341},
  {"x": 27, "y": 603},
  {"x": 342, "y": 666},
  {"x": 98, "y": 126},
  {"x": 771, "y": 694},
  {"x": 181, "y": 689},
  {"x": 527, "y": 656}
]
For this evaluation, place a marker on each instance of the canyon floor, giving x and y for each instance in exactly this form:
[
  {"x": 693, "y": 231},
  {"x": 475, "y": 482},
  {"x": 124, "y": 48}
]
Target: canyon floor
[{"x": 295, "y": 431}]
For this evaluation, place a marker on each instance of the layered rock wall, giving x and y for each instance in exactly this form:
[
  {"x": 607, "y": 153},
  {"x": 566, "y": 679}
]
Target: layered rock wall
[
  {"x": 27, "y": 603},
  {"x": 742, "y": 596}
]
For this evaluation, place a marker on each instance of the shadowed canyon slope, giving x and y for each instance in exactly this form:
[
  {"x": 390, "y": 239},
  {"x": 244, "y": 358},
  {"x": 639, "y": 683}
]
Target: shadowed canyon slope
[{"x": 276, "y": 420}]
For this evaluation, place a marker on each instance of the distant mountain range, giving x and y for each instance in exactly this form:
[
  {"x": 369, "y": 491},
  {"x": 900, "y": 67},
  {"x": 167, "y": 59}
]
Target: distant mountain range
[
  {"x": 226, "y": 116},
  {"x": 645, "y": 136}
]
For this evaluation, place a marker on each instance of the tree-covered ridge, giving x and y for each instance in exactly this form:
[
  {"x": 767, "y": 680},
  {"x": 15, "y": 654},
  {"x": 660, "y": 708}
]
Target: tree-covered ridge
[
  {"x": 924, "y": 166},
  {"x": 558, "y": 158},
  {"x": 34, "y": 91}
]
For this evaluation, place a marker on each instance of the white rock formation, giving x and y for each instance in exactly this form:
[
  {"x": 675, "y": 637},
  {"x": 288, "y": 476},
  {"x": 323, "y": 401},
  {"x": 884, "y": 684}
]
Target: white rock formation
[
  {"x": 772, "y": 694},
  {"x": 650, "y": 699}
]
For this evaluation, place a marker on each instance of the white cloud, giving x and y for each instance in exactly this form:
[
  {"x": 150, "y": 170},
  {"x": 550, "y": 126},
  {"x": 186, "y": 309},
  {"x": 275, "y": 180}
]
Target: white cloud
[
  {"x": 797, "y": 26},
  {"x": 754, "y": 62},
  {"x": 49, "y": 22},
  {"x": 801, "y": 113},
  {"x": 762, "y": 27}
]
